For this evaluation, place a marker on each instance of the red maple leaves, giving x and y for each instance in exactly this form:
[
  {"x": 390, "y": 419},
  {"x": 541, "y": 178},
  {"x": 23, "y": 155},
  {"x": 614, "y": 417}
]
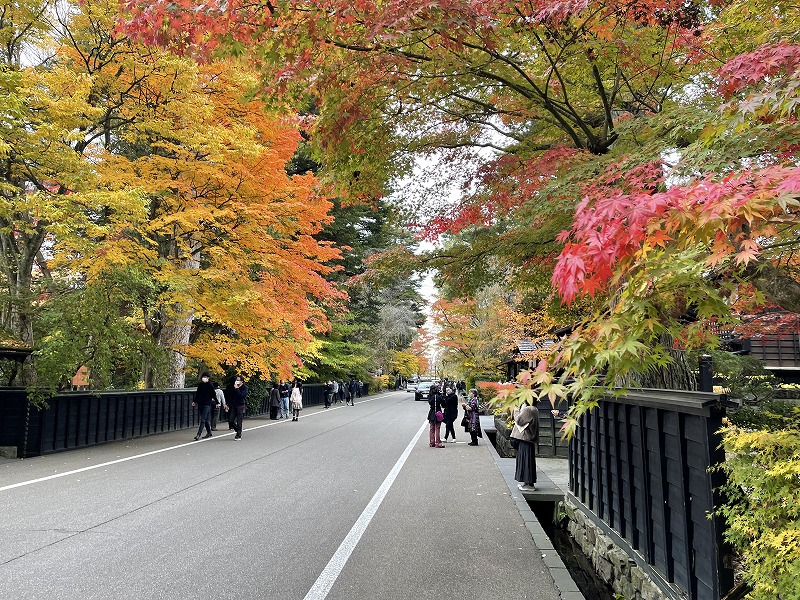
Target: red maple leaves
[
  {"x": 770, "y": 60},
  {"x": 734, "y": 216}
]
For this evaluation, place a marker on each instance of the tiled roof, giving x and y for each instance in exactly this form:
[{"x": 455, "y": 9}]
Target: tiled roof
[{"x": 527, "y": 346}]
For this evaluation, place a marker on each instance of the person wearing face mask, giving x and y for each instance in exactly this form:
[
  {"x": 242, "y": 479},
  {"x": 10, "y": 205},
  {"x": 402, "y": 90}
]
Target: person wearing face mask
[
  {"x": 237, "y": 400},
  {"x": 204, "y": 397}
]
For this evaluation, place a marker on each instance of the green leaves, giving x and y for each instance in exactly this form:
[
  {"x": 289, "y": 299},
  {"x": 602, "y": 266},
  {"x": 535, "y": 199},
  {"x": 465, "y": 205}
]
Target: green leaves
[{"x": 763, "y": 511}]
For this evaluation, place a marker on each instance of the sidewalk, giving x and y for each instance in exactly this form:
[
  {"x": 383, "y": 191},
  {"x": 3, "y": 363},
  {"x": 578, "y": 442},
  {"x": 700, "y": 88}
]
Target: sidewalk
[{"x": 552, "y": 483}]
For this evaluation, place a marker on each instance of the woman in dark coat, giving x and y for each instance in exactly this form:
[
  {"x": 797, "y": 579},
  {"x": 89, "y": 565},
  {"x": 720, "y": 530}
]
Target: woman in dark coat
[
  {"x": 274, "y": 401},
  {"x": 435, "y": 403},
  {"x": 473, "y": 426},
  {"x": 450, "y": 413},
  {"x": 526, "y": 432}
]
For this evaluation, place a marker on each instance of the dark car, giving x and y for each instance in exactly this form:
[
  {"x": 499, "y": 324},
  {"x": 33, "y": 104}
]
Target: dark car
[{"x": 423, "y": 387}]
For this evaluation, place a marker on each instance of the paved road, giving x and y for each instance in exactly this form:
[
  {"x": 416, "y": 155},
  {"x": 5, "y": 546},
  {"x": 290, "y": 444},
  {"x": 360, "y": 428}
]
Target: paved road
[{"x": 348, "y": 503}]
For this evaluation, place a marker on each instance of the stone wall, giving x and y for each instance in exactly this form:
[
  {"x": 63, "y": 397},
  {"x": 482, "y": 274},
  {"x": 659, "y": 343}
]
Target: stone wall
[
  {"x": 503, "y": 435},
  {"x": 610, "y": 561}
]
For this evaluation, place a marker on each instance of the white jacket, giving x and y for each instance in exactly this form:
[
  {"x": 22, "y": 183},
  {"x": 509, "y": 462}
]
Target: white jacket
[{"x": 297, "y": 399}]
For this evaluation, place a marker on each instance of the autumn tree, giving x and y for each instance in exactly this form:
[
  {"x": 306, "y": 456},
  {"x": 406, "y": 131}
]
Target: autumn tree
[
  {"x": 382, "y": 315},
  {"x": 547, "y": 86},
  {"x": 50, "y": 119},
  {"x": 121, "y": 160},
  {"x": 229, "y": 236}
]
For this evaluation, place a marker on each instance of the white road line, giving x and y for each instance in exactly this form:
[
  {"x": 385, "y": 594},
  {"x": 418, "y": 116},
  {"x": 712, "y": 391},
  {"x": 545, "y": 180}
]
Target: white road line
[
  {"x": 331, "y": 572},
  {"x": 146, "y": 454}
]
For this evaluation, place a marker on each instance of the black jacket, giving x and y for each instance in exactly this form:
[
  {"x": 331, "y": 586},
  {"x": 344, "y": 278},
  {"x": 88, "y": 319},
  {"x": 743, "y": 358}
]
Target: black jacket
[
  {"x": 234, "y": 396},
  {"x": 435, "y": 402},
  {"x": 205, "y": 394},
  {"x": 275, "y": 397},
  {"x": 451, "y": 407}
]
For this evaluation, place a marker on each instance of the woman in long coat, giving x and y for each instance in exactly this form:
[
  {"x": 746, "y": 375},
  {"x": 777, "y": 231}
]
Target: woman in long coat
[
  {"x": 473, "y": 426},
  {"x": 526, "y": 432},
  {"x": 274, "y": 401}
]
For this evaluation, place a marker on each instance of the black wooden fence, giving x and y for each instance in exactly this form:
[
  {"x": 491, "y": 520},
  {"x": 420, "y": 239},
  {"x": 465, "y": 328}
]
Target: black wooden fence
[
  {"x": 640, "y": 464},
  {"x": 551, "y": 442},
  {"x": 81, "y": 419}
]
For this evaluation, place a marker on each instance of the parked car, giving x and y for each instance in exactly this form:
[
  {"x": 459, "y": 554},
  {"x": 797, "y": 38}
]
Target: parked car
[{"x": 423, "y": 387}]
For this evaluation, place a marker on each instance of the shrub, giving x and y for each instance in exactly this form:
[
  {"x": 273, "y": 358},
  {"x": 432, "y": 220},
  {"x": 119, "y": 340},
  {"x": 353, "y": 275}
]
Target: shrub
[
  {"x": 257, "y": 395},
  {"x": 376, "y": 384},
  {"x": 763, "y": 504},
  {"x": 770, "y": 416}
]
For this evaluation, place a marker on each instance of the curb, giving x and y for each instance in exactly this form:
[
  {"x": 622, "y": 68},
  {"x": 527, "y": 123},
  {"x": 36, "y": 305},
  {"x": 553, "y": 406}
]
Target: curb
[{"x": 566, "y": 586}]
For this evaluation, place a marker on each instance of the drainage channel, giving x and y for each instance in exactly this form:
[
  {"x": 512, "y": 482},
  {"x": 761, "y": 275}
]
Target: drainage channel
[{"x": 586, "y": 578}]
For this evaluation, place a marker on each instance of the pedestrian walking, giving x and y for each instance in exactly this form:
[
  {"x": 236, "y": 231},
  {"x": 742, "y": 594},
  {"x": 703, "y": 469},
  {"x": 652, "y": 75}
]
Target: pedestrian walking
[
  {"x": 297, "y": 401},
  {"x": 335, "y": 390},
  {"x": 285, "y": 389},
  {"x": 328, "y": 391},
  {"x": 450, "y": 414},
  {"x": 473, "y": 425},
  {"x": 345, "y": 387},
  {"x": 526, "y": 434},
  {"x": 353, "y": 389},
  {"x": 274, "y": 401},
  {"x": 204, "y": 397},
  {"x": 236, "y": 394},
  {"x": 217, "y": 406},
  {"x": 435, "y": 417}
]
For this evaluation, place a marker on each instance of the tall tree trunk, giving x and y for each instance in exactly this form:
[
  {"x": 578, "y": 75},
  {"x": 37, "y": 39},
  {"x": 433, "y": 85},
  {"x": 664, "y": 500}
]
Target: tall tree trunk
[
  {"x": 172, "y": 326},
  {"x": 18, "y": 251},
  {"x": 675, "y": 376},
  {"x": 174, "y": 336}
]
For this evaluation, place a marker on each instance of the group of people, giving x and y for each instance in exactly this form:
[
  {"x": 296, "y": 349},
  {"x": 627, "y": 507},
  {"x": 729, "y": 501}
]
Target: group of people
[
  {"x": 210, "y": 400},
  {"x": 443, "y": 408},
  {"x": 443, "y": 401},
  {"x": 342, "y": 391},
  {"x": 284, "y": 396}
]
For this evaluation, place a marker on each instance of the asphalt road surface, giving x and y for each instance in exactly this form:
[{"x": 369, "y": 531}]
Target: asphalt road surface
[{"x": 348, "y": 503}]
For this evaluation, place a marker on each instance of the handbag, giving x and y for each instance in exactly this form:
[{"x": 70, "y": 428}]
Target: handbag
[
  {"x": 439, "y": 416},
  {"x": 465, "y": 421},
  {"x": 514, "y": 443}
]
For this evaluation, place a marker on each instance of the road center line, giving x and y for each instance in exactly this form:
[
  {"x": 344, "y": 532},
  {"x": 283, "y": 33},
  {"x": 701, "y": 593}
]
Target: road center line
[
  {"x": 146, "y": 454},
  {"x": 322, "y": 586}
]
